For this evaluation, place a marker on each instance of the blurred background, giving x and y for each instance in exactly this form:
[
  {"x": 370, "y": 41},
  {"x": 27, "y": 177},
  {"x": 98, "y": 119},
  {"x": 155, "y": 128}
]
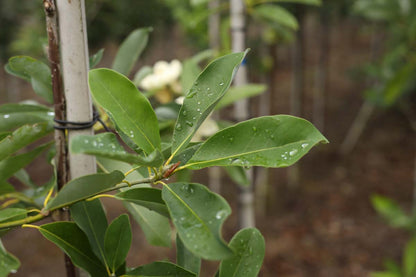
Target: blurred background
[{"x": 348, "y": 208}]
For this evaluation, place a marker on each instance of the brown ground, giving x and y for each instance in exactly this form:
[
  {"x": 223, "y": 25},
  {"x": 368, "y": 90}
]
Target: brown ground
[{"x": 325, "y": 226}]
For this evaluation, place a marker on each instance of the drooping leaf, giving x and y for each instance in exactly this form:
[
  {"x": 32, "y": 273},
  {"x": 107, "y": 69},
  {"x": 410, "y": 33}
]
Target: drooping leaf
[
  {"x": 16, "y": 115},
  {"x": 160, "y": 269},
  {"x": 11, "y": 214},
  {"x": 392, "y": 212},
  {"x": 34, "y": 71},
  {"x": 84, "y": 187},
  {"x": 238, "y": 175},
  {"x": 22, "y": 137},
  {"x": 249, "y": 248},
  {"x": 186, "y": 258},
  {"x": 150, "y": 198},
  {"x": 277, "y": 15},
  {"x": 117, "y": 241},
  {"x": 207, "y": 90},
  {"x": 8, "y": 262},
  {"x": 130, "y": 50},
  {"x": 106, "y": 145},
  {"x": 91, "y": 219},
  {"x": 156, "y": 227},
  {"x": 241, "y": 92},
  {"x": 198, "y": 215},
  {"x": 11, "y": 165},
  {"x": 130, "y": 110},
  {"x": 96, "y": 58},
  {"x": 68, "y": 237},
  {"x": 409, "y": 258},
  {"x": 270, "y": 141}
]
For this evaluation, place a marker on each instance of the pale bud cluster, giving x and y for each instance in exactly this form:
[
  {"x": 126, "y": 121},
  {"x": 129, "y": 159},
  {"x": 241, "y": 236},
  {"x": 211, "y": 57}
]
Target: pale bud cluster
[{"x": 165, "y": 75}]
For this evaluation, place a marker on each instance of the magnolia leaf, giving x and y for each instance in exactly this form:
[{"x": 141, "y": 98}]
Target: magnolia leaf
[
  {"x": 34, "y": 71},
  {"x": 11, "y": 214},
  {"x": 198, "y": 215},
  {"x": 186, "y": 258},
  {"x": 9, "y": 263},
  {"x": 241, "y": 92},
  {"x": 276, "y": 14},
  {"x": 130, "y": 50},
  {"x": 5, "y": 188},
  {"x": 70, "y": 238},
  {"x": 269, "y": 141},
  {"x": 106, "y": 145},
  {"x": 392, "y": 212},
  {"x": 409, "y": 258},
  {"x": 91, "y": 219},
  {"x": 238, "y": 175},
  {"x": 84, "y": 187},
  {"x": 150, "y": 198},
  {"x": 117, "y": 241},
  {"x": 22, "y": 137},
  {"x": 207, "y": 90},
  {"x": 130, "y": 110},
  {"x": 249, "y": 248},
  {"x": 96, "y": 58},
  {"x": 160, "y": 269},
  {"x": 16, "y": 115}
]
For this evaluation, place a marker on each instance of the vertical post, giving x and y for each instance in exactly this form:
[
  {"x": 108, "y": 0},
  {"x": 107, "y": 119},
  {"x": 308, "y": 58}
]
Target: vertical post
[
  {"x": 75, "y": 65},
  {"x": 242, "y": 108},
  {"x": 61, "y": 161}
]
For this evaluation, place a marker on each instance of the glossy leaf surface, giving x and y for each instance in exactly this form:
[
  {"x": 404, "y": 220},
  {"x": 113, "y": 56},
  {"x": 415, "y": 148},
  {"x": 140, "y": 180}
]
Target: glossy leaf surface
[
  {"x": 160, "y": 269},
  {"x": 130, "y": 110},
  {"x": 186, "y": 258},
  {"x": 270, "y": 141},
  {"x": 22, "y": 137},
  {"x": 150, "y": 198},
  {"x": 201, "y": 99},
  {"x": 198, "y": 215},
  {"x": 91, "y": 219},
  {"x": 83, "y": 187},
  {"x": 68, "y": 237},
  {"x": 249, "y": 248},
  {"x": 106, "y": 145},
  {"x": 117, "y": 241},
  {"x": 15, "y": 115},
  {"x": 34, "y": 71},
  {"x": 130, "y": 50},
  {"x": 8, "y": 262}
]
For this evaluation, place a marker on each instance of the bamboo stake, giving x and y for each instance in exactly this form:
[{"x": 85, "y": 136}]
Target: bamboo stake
[
  {"x": 62, "y": 169},
  {"x": 241, "y": 108}
]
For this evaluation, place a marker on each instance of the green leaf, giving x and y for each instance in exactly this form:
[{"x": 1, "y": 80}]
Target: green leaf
[
  {"x": 106, "y": 145},
  {"x": 385, "y": 274},
  {"x": 160, "y": 269},
  {"x": 305, "y": 2},
  {"x": 96, "y": 58},
  {"x": 5, "y": 188},
  {"x": 409, "y": 258},
  {"x": 241, "y": 92},
  {"x": 68, "y": 237},
  {"x": 198, "y": 215},
  {"x": 238, "y": 175},
  {"x": 130, "y": 110},
  {"x": 270, "y": 141},
  {"x": 276, "y": 14},
  {"x": 207, "y": 90},
  {"x": 8, "y": 262},
  {"x": 249, "y": 248},
  {"x": 11, "y": 165},
  {"x": 117, "y": 241},
  {"x": 186, "y": 258},
  {"x": 22, "y": 137},
  {"x": 34, "y": 71},
  {"x": 16, "y": 115},
  {"x": 11, "y": 214},
  {"x": 130, "y": 50},
  {"x": 25, "y": 178},
  {"x": 156, "y": 227},
  {"x": 392, "y": 212},
  {"x": 190, "y": 72},
  {"x": 91, "y": 219},
  {"x": 150, "y": 198},
  {"x": 84, "y": 187}
]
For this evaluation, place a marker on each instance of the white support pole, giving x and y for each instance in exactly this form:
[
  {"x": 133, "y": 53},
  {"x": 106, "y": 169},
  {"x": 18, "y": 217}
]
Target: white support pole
[
  {"x": 75, "y": 65},
  {"x": 242, "y": 107}
]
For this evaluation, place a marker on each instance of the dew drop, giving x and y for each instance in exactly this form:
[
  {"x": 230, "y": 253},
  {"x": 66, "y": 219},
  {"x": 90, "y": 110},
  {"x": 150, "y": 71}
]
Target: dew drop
[
  {"x": 293, "y": 152},
  {"x": 254, "y": 128},
  {"x": 194, "y": 118},
  {"x": 231, "y": 139},
  {"x": 51, "y": 113},
  {"x": 94, "y": 143},
  {"x": 189, "y": 123},
  {"x": 221, "y": 84},
  {"x": 199, "y": 103},
  {"x": 304, "y": 145},
  {"x": 208, "y": 89},
  {"x": 184, "y": 113},
  {"x": 220, "y": 214},
  {"x": 198, "y": 110},
  {"x": 178, "y": 127},
  {"x": 191, "y": 94},
  {"x": 6, "y": 116},
  {"x": 86, "y": 141}
]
